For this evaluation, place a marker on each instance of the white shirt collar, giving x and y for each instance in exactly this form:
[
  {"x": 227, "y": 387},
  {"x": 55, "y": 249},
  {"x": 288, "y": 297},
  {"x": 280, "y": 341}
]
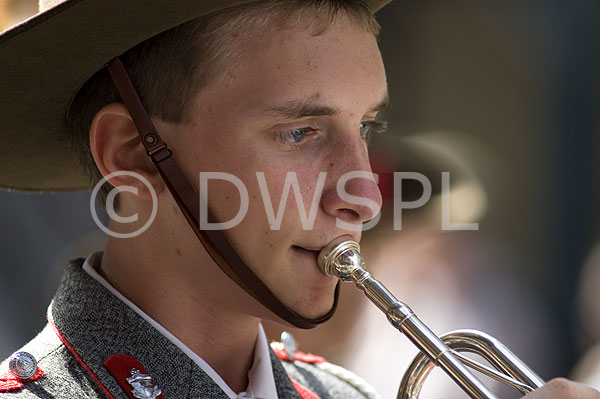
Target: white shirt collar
[{"x": 261, "y": 383}]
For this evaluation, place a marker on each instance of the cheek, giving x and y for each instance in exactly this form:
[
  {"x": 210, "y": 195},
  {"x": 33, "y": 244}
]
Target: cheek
[{"x": 274, "y": 188}]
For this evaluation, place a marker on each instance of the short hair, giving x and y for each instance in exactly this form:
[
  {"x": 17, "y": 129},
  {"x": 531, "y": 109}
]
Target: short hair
[{"x": 169, "y": 69}]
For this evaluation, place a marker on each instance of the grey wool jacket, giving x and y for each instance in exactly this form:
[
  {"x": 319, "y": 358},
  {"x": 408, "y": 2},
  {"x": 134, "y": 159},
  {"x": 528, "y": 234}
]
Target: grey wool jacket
[{"x": 87, "y": 324}]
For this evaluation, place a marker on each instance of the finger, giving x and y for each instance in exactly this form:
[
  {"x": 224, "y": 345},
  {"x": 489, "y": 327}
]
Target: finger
[{"x": 561, "y": 388}]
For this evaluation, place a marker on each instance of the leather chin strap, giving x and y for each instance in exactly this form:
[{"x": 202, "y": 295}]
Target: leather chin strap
[{"x": 214, "y": 241}]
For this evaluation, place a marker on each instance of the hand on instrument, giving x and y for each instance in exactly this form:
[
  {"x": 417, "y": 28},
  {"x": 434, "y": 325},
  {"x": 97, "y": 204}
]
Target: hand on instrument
[{"x": 561, "y": 388}]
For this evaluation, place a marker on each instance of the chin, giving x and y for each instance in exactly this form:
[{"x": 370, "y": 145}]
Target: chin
[
  {"x": 310, "y": 311},
  {"x": 315, "y": 306}
]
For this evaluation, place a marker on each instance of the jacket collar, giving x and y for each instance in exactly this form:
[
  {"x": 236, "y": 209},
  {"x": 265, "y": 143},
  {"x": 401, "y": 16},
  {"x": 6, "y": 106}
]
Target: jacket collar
[{"x": 96, "y": 324}]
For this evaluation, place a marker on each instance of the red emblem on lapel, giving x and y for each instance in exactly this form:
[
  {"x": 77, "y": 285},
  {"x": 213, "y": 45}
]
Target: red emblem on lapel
[
  {"x": 301, "y": 356},
  {"x": 9, "y": 382},
  {"x": 132, "y": 377}
]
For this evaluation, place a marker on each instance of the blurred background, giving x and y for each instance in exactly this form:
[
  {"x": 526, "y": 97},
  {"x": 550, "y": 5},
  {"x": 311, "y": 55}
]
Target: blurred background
[{"x": 503, "y": 94}]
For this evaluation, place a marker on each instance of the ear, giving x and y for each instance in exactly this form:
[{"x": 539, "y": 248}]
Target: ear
[{"x": 116, "y": 146}]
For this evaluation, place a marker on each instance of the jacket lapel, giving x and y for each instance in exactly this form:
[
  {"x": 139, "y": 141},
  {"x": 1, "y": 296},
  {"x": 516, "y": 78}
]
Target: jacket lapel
[
  {"x": 285, "y": 388},
  {"x": 97, "y": 325}
]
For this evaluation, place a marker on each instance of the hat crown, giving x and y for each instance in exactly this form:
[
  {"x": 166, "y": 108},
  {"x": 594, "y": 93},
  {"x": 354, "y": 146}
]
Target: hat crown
[{"x": 44, "y": 5}]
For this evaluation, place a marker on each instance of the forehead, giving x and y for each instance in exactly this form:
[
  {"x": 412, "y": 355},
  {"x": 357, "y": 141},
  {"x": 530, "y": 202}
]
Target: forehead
[
  {"x": 295, "y": 60},
  {"x": 266, "y": 32}
]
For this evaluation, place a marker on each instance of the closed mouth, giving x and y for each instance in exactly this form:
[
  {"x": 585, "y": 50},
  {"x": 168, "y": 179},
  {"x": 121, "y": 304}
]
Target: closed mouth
[
  {"x": 309, "y": 251},
  {"x": 313, "y": 256},
  {"x": 303, "y": 252}
]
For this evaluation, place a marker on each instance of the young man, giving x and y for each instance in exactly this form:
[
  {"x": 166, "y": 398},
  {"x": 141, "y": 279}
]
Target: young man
[{"x": 252, "y": 90}]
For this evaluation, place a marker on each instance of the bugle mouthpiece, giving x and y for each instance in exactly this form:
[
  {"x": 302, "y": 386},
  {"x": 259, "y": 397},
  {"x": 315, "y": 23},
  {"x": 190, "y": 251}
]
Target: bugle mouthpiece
[{"x": 340, "y": 258}]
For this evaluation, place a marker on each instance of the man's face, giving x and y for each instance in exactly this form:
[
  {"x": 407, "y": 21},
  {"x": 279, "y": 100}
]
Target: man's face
[{"x": 292, "y": 102}]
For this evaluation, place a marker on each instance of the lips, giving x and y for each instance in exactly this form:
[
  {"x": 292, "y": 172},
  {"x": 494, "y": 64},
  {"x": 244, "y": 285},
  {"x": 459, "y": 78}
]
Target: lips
[
  {"x": 307, "y": 251},
  {"x": 309, "y": 248},
  {"x": 311, "y": 257}
]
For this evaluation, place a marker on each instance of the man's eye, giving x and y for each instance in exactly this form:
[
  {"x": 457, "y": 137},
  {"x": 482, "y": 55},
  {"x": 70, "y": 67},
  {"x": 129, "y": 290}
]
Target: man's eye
[
  {"x": 368, "y": 128},
  {"x": 295, "y": 136}
]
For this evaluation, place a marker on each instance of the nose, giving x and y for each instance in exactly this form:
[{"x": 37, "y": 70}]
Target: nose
[{"x": 352, "y": 194}]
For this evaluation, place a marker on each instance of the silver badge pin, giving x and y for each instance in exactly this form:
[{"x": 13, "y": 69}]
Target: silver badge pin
[
  {"x": 143, "y": 386},
  {"x": 289, "y": 345},
  {"x": 22, "y": 365}
]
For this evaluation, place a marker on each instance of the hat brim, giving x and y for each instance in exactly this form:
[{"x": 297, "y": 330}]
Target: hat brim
[{"x": 45, "y": 61}]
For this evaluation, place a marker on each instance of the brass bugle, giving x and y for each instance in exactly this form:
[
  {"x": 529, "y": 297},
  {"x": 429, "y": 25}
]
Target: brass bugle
[{"x": 341, "y": 258}]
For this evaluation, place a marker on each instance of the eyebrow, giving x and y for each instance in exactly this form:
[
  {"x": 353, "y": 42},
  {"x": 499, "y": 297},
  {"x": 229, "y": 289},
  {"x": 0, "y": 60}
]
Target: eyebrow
[
  {"x": 301, "y": 109},
  {"x": 383, "y": 104},
  {"x": 311, "y": 107}
]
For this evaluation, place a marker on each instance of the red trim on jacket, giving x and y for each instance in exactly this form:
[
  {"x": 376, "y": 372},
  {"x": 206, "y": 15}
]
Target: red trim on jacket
[
  {"x": 80, "y": 360},
  {"x": 301, "y": 356},
  {"x": 304, "y": 392}
]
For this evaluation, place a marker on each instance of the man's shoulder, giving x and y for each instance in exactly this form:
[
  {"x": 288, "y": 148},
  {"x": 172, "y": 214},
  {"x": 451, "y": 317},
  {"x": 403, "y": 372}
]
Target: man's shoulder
[
  {"x": 326, "y": 380},
  {"x": 58, "y": 375}
]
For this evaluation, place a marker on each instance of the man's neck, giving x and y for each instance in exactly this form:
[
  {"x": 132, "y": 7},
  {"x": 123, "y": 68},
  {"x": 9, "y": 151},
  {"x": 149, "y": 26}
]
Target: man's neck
[{"x": 190, "y": 310}]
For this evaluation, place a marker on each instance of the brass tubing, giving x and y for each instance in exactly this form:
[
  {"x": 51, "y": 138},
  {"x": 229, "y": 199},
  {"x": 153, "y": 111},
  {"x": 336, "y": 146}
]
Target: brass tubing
[{"x": 342, "y": 259}]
